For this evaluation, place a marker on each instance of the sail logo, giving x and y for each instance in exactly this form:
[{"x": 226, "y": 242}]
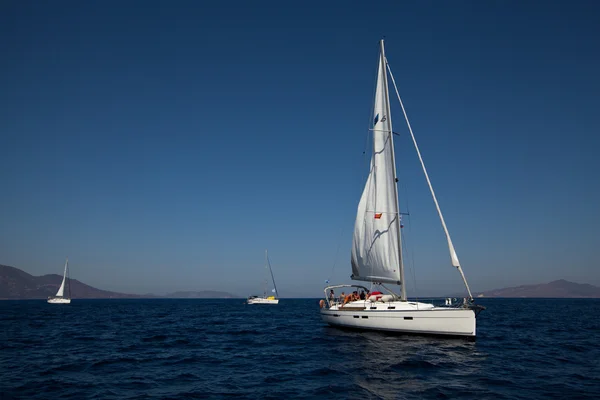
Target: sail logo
[
  {"x": 378, "y": 215},
  {"x": 376, "y": 120}
]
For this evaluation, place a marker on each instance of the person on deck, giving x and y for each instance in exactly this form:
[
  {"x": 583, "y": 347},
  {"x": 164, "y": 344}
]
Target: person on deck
[{"x": 351, "y": 297}]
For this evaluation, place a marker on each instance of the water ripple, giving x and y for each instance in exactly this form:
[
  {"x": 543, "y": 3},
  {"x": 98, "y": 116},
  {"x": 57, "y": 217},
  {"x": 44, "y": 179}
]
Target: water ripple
[{"x": 213, "y": 349}]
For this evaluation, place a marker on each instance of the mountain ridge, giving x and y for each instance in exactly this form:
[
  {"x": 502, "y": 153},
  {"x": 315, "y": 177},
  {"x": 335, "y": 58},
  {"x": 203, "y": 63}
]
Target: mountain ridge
[
  {"x": 16, "y": 284},
  {"x": 560, "y": 288}
]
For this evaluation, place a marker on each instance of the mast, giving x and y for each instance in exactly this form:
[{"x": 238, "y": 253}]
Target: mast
[
  {"x": 271, "y": 270},
  {"x": 67, "y": 280},
  {"x": 453, "y": 256},
  {"x": 266, "y": 276},
  {"x": 387, "y": 97}
]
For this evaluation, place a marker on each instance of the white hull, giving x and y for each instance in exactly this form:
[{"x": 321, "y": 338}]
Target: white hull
[
  {"x": 405, "y": 317},
  {"x": 259, "y": 300},
  {"x": 59, "y": 300}
]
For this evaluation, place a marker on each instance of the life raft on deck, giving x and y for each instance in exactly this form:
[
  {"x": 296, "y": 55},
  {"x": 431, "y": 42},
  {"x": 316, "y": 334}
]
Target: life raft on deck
[{"x": 375, "y": 296}]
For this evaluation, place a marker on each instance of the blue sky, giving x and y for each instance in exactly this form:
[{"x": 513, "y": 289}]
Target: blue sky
[{"x": 164, "y": 146}]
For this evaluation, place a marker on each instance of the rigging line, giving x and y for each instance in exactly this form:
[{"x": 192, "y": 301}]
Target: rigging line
[
  {"x": 68, "y": 281},
  {"x": 272, "y": 277},
  {"x": 412, "y": 251},
  {"x": 411, "y": 267},
  {"x": 411, "y": 261},
  {"x": 453, "y": 255}
]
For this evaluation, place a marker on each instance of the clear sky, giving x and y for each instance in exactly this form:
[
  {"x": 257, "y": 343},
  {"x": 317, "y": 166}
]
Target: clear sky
[{"x": 165, "y": 145}]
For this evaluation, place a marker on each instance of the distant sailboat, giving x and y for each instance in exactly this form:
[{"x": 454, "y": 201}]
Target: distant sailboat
[
  {"x": 63, "y": 296},
  {"x": 377, "y": 248},
  {"x": 264, "y": 299}
]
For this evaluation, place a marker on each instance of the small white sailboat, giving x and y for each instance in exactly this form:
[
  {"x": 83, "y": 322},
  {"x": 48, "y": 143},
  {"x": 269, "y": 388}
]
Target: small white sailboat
[
  {"x": 63, "y": 296},
  {"x": 264, "y": 299},
  {"x": 377, "y": 248}
]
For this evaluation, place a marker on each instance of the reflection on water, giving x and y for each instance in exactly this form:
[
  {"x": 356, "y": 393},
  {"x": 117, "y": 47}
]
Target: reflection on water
[{"x": 391, "y": 365}]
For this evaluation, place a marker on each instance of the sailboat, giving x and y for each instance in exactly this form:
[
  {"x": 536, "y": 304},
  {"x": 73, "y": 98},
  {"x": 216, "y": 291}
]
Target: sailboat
[
  {"x": 264, "y": 299},
  {"x": 63, "y": 296},
  {"x": 376, "y": 255}
]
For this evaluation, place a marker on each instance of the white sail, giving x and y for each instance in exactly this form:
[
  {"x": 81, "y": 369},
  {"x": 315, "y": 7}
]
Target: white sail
[
  {"x": 61, "y": 290},
  {"x": 272, "y": 277},
  {"x": 375, "y": 244}
]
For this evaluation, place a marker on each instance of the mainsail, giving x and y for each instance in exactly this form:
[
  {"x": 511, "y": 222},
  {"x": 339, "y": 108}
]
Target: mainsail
[
  {"x": 61, "y": 290},
  {"x": 272, "y": 277},
  {"x": 376, "y": 253}
]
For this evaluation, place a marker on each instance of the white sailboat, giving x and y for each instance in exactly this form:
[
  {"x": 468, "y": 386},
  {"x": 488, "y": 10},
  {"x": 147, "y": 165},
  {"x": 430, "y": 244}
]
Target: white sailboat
[
  {"x": 264, "y": 299},
  {"x": 63, "y": 296},
  {"x": 377, "y": 248}
]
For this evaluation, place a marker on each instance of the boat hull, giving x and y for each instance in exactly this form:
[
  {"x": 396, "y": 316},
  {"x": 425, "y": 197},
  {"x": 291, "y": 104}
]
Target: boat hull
[
  {"x": 59, "y": 300},
  {"x": 259, "y": 300},
  {"x": 442, "y": 321}
]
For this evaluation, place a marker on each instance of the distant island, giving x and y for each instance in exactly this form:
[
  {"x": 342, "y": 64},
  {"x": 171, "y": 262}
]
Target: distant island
[
  {"x": 16, "y": 284},
  {"x": 203, "y": 294},
  {"x": 555, "y": 289}
]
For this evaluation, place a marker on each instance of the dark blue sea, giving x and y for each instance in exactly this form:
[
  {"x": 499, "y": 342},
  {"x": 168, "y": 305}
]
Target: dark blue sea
[{"x": 205, "y": 349}]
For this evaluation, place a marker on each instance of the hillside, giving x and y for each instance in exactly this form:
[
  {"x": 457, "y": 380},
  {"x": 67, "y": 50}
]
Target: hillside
[
  {"x": 555, "y": 289},
  {"x": 16, "y": 284}
]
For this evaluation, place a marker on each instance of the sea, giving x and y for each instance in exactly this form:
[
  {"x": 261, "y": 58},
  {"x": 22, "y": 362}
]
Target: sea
[{"x": 215, "y": 349}]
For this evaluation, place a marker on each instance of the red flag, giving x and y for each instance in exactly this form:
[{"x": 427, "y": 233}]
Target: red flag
[{"x": 378, "y": 215}]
